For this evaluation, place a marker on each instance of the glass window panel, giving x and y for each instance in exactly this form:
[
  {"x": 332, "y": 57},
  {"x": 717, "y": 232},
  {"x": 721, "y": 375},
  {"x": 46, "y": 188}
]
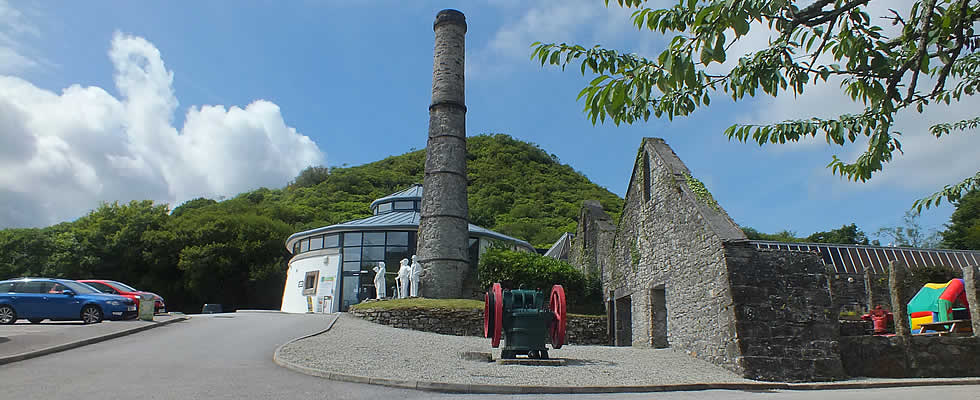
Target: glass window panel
[
  {"x": 352, "y": 239},
  {"x": 374, "y": 238},
  {"x": 384, "y": 207},
  {"x": 331, "y": 241},
  {"x": 304, "y": 245},
  {"x": 373, "y": 253},
  {"x": 398, "y": 238},
  {"x": 394, "y": 256},
  {"x": 352, "y": 266},
  {"x": 316, "y": 243},
  {"x": 404, "y": 205},
  {"x": 296, "y": 248},
  {"x": 352, "y": 254},
  {"x": 350, "y": 287}
]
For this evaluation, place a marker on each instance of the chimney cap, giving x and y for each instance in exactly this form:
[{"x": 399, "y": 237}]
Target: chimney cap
[{"x": 450, "y": 16}]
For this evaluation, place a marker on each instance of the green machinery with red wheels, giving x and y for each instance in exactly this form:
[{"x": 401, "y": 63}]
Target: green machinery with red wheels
[{"x": 519, "y": 317}]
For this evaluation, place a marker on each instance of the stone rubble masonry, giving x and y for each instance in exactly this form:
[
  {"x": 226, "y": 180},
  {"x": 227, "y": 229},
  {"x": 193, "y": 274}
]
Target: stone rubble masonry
[
  {"x": 971, "y": 283},
  {"x": 443, "y": 220},
  {"x": 590, "y": 247},
  {"x": 581, "y": 330},
  {"x": 764, "y": 314},
  {"x": 910, "y": 356}
]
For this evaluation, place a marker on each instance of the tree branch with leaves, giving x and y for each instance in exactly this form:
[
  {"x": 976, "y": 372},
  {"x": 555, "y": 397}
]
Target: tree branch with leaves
[{"x": 934, "y": 44}]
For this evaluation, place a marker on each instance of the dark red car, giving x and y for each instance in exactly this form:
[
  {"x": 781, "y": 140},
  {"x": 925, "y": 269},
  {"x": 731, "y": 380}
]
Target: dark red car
[{"x": 122, "y": 289}]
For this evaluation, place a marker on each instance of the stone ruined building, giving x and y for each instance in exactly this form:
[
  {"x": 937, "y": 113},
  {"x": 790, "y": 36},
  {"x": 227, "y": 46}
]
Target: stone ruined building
[
  {"x": 442, "y": 237},
  {"x": 592, "y": 241},
  {"x": 678, "y": 272}
]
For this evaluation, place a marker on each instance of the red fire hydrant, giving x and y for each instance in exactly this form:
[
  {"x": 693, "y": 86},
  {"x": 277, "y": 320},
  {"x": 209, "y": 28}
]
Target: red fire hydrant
[{"x": 879, "y": 318}]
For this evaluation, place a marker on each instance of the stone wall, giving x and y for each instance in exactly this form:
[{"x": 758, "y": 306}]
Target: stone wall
[
  {"x": 581, "y": 330},
  {"x": 787, "y": 327},
  {"x": 915, "y": 356},
  {"x": 669, "y": 239},
  {"x": 593, "y": 239}
]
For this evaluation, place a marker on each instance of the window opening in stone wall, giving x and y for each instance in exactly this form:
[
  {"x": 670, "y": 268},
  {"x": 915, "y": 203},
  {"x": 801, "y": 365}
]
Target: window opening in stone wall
[
  {"x": 646, "y": 176},
  {"x": 658, "y": 317},
  {"x": 309, "y": 283}
]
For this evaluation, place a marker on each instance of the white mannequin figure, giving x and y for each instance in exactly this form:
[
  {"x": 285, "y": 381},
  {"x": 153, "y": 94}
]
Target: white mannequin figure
[
  {"x": 402, "y": 281},
  {"x": 416, "y": 275},
  {"x": 379, "y": 280}
]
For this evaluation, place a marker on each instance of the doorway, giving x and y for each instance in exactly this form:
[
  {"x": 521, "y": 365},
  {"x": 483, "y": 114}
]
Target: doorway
[
  {"x": 624, "y": 321},
  {"x": 658, "y": 317}
]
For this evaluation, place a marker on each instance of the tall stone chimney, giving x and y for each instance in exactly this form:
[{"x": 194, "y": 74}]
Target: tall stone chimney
[{"x": 444, "y": 220}]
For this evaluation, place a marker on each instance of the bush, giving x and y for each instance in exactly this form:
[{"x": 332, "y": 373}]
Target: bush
[{"x": 519, "y": 270}]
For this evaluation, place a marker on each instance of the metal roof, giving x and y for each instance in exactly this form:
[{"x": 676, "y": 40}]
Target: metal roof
[
  {"x": 412, "y": 193},
  {"x": 561, "y": 248},
  {"x": 852, "y": 259},
  {"x": 394, "y": 220}
]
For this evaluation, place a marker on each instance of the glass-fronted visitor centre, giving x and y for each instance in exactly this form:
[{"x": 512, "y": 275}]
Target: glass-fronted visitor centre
[{"x": 333, "y": 267}]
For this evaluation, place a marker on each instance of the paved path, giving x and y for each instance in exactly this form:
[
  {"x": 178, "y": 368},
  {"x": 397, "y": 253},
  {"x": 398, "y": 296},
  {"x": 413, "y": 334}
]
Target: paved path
[
  {"x": 25, "y": 337},
  {"x": 229, "y": 356}
]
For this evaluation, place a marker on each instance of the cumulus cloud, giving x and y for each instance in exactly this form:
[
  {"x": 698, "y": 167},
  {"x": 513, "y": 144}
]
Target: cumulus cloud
[{"x": 62, "y": 154}]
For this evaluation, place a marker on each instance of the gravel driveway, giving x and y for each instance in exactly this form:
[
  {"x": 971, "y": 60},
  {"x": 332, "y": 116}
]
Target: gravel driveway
[{"x": 361, "y": 348}]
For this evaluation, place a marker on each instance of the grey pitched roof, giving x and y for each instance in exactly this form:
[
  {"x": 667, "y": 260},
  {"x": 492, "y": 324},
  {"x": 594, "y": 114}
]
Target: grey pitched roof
[
  {"x": 852, "y": 259},
  {"x": 396, "y": 220},
  {"x": 412, "y": 193}
]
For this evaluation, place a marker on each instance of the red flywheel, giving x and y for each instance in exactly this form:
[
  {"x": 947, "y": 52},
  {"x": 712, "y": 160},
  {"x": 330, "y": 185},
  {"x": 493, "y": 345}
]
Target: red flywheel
[
  {"x": 556, "y": 304},
  {"x": 497, "y": 295}
]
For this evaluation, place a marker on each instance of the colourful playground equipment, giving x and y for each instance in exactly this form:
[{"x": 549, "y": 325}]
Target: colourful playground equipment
[{"x": 937, "y": 302}]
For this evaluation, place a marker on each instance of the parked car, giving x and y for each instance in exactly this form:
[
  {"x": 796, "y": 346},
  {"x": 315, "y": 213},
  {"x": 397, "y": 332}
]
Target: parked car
[
  {"x": 38, "y": 299},
  {"x": 122, "y": 289}
]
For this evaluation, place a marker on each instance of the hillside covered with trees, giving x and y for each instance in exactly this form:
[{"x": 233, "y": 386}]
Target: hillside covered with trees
[{"x": 232, "y": 251}]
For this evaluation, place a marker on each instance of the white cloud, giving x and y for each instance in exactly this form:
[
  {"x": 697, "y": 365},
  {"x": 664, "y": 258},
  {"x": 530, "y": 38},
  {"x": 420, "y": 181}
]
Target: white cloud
[
  {"x": 564, "y": 21},
  {"x": 61, "y": 154},
  {"x": 13, "y": 26}
]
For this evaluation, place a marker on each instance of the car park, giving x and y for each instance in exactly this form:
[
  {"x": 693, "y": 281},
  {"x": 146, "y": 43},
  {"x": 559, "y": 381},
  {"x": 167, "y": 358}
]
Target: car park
[
  {"x": 122, "y": 289},
  {"x": 38, "y": 299}
]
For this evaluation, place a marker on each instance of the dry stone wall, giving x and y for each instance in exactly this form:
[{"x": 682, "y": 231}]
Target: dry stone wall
[
  {"x": 581, "y": 330},
  {"x": 787, "y": 327},
  {"x": 914, "y": 356}
]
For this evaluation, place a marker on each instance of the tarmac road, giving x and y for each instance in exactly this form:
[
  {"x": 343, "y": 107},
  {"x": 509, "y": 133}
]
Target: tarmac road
[{"x": 229, "y": 356}]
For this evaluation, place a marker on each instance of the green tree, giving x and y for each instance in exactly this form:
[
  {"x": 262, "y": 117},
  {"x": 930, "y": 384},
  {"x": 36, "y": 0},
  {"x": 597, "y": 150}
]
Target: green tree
[
  {"x": 311, "y": 176},
  {"x": 782, "y": 236},
  {"x": 910, "y": 233},
  {"x": 847, "y": 234},
  {"x": 930, "y": 61},
  {"x": 963, "y": 230}
]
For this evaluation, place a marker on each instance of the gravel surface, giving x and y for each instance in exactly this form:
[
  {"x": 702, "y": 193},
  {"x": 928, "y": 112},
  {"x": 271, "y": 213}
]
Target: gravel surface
[{"x": 361, "y": 348}]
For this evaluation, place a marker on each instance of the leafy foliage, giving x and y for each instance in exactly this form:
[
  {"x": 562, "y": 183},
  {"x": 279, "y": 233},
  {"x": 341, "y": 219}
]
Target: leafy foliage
[
  {"x": 935, "y": 44},
  {"x": 232, "y": 252},
  {"x": 847, "y": 234},
  {"x": 910, "y": 233},
  {"x": 519, "y": 270},
  {"x": 963, "y": 230}
]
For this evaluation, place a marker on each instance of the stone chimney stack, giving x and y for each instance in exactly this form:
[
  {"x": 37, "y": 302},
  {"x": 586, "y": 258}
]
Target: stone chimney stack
[{"x": 444, "y": 220}]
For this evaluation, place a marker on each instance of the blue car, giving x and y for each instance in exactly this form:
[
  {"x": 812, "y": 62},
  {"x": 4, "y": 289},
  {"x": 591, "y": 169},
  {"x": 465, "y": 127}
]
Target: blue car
[{"x": 38, "y": 299}]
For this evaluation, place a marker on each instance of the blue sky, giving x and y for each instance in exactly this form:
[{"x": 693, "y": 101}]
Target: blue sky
[{"x": 114, "y": 101}]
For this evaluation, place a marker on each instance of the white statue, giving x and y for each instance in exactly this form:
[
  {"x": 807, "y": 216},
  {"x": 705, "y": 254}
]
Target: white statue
[
  {"x": 416, "y": 275},
  {"x": 379, "y": 280},
  {"x": 402, "y": 281}
]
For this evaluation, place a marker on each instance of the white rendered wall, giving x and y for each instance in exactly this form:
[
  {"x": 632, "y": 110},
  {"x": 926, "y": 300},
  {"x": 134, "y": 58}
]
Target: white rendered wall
[{"x": 293, "y": 300}]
